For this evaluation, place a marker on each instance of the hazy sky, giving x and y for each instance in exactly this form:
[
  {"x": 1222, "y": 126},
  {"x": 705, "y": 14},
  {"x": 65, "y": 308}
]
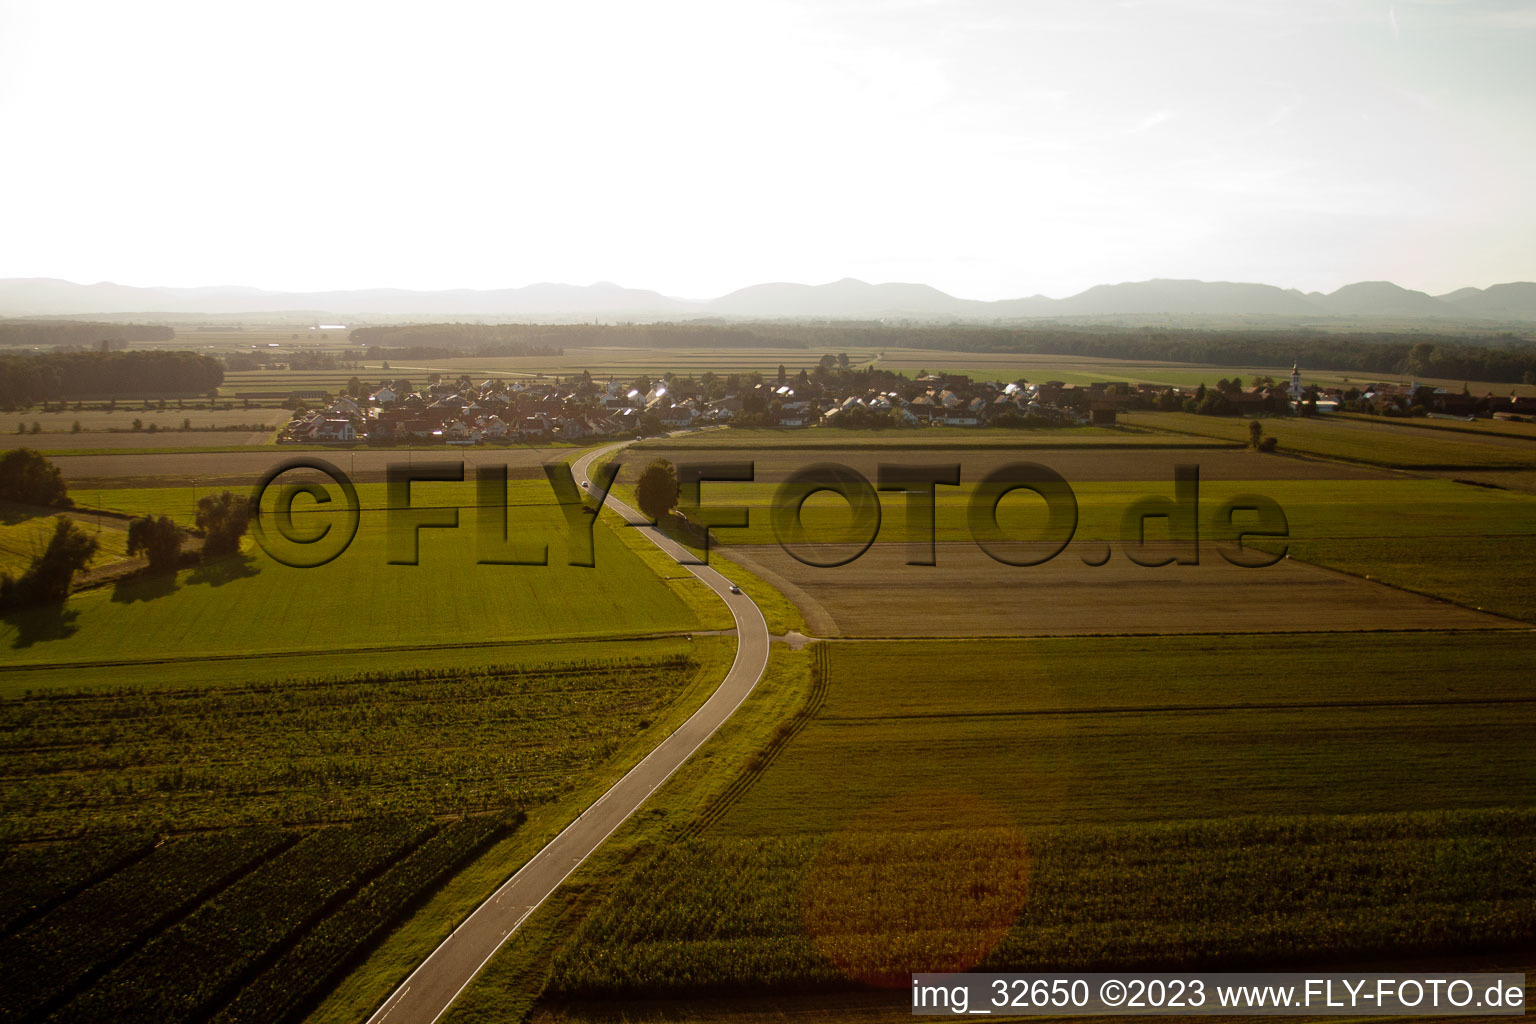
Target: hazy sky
[{"x": 992, "y": 149}]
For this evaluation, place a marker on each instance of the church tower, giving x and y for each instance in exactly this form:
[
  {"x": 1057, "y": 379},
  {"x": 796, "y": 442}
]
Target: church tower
[{"x": 1297, "y": 392}]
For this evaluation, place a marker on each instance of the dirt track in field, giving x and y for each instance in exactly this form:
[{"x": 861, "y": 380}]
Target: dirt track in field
[
  {"x": 1073, "y": 464},
  {"x": 969, "y": 594}
]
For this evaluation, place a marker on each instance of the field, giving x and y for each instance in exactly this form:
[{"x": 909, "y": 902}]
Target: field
[
  {"x": 411, "y": 776},
  {"x": 1080, "y": 731},
  {"x": 748, "y": 440},
  {"x": 236, "y": 465},
  {"x": 25, "y": 530},
  {"x": 386, "y": 743},
  {"x": 1080, "y": 804},
  {"x": 768, "y": 918},
  {"x": 1421, "y": 536},
  {"x": 250, "y": 604},
  {"x": 301, "y": 779},
  {"x": 1380, "y": 442},
  {"x": 1314, "y": 762},
  {"x": 1088, "y": 369},
  {"x": 627, "y": 362},
  {"x": 98, "y": 419}
]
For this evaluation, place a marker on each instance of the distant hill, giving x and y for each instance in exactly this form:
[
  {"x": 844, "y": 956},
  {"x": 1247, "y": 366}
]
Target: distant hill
[
  {"x": 46, "y": 296},
  {"x": 1187, "y": 297},
  {"x": 845, "y": 299},
  {"x": 1383, "y": 298},
  {"x": 1514, "y": 301}
]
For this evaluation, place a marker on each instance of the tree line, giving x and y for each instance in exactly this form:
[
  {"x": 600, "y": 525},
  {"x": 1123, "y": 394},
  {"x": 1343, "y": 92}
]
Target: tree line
[
  {"x": 26, "y": 380},
  {"x": 79, "y": 334},
  {"x": 426, "y": 341},
  {"x": 552, "y": 339},
  {"x": 1503, "y": 357}
]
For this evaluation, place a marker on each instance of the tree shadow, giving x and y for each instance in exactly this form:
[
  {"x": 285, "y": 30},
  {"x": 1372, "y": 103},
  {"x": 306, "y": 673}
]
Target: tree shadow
[
  {"x": 146, "y": 587},
  {"x": 11, "y": 513},
  {"x": 225, "y": 570},
  {"x": 40, "y": 623}
]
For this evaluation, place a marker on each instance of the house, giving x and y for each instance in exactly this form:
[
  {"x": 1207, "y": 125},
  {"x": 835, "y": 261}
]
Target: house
[{"x": 333, "y": 430}]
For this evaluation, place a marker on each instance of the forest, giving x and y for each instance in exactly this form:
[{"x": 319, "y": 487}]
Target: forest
[
  {"x": 26, "y": 380},
  {"x": 78, "y": 334}
]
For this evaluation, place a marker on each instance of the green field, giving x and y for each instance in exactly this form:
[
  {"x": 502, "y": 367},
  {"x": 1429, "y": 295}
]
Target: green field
[
  {"x": 343, "y": 761},
  {"x": 772, "y": 917},
  {"x": 102, "y": 927},
  {"x": 1472, "y": 545},
  {"x": 253, "y": 605},
  {"x": 335, "y": 749},
  {"x": 25, "y": 530},
  {"x": 1097, "y": 804},
  {"x": 1379, "y": 443},
  {"x": 1060, "y": 731},
  {"x": 269, "y": 916}
]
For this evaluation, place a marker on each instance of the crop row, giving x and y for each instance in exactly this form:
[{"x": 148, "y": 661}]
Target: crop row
[
  {"x": 42, "y": 963},
  {"x": 228, "y": 937},
  {"x": 443, "y": 744},
  {"x": 314, "y": 963},
  {"x": 813, "y": 911},
  {"x": 34, "y": 878}
]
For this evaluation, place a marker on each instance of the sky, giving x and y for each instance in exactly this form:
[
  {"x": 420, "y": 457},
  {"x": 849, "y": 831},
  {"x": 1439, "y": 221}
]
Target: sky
[{"x": 993, "y": 149}]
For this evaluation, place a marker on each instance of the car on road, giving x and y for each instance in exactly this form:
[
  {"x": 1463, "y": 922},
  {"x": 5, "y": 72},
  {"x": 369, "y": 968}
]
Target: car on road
[
  {"x": 735, "y": 589},
  {"x": 583, "y": 485}
]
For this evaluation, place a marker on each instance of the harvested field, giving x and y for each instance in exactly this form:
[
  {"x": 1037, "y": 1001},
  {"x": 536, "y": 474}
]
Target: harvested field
[
  {"x": 921, "y": 439},
  {"x": 118, "y": 440},
  {"x": 232, "y": 468},
  {"x": 99, "y": 418},
  {"x": 1134, "y": 462},
  {"x": 1377, "y": 441},
  {"x": 969, "y": 594}
]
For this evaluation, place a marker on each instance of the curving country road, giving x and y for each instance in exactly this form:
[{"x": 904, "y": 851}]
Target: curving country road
[{"x": 433, "y": 986}]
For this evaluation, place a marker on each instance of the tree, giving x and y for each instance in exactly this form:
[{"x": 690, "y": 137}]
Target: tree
[
  {"x": 223, "y": 518},
  {"x": 159, "y": 539},
  {"x": 656, "y": 490},
  {"x": 48, "y": 578},
  {"x": 1255, "y": 434},
  {"x": 1216, "y": 404},
  {"x": 29, "y": 478}
]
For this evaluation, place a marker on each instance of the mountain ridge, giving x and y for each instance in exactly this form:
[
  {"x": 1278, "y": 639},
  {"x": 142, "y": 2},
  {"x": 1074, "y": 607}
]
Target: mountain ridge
[{"x": 848, "y": 298}]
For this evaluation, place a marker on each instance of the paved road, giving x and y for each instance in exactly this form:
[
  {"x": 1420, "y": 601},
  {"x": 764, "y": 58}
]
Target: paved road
[{"x": 432, "y": 988}]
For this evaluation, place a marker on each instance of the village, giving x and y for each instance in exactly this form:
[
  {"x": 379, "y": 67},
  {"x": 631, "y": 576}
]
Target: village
[{"x": 578, "y": 408}]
